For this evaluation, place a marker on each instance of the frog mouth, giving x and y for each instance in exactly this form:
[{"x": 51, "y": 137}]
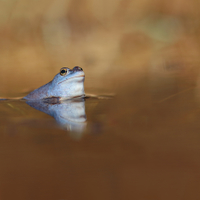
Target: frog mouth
[{"x": 72, "y": 78}]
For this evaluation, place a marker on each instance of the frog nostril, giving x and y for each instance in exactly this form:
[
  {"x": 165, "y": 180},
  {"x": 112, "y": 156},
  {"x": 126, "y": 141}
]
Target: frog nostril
[{"x": 77, "y": 68}]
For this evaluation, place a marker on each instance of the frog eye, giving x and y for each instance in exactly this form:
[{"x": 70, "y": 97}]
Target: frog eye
[{"x": 63, "y": 71}]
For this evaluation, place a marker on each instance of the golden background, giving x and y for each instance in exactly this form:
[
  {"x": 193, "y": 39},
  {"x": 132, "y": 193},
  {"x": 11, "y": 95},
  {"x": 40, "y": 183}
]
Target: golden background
[
  {"x": 113, "y": 41},
  {"x": 141, "y": 144}
]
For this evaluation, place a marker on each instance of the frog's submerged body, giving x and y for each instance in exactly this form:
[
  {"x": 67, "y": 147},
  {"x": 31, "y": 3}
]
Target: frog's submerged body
[{"x": 66, "y": 84}]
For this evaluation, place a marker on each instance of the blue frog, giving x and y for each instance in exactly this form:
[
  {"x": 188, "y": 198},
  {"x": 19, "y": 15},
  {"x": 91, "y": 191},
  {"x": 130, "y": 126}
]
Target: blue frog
[{"x": 67, "y": 84}]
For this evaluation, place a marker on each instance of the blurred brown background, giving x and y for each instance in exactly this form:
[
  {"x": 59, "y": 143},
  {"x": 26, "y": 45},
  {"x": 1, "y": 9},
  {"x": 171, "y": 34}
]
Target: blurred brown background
[
  {"x": 141, "y": 144},
  {"x": 113, "y": 41}
]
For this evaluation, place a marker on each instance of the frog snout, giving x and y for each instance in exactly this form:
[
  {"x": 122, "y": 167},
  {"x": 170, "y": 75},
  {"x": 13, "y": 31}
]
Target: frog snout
[{"x": 77, "y": 68}]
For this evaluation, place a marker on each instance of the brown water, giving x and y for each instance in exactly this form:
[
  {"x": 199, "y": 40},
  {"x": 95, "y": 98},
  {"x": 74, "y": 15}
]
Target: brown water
[{"x": 143, "y": 143}]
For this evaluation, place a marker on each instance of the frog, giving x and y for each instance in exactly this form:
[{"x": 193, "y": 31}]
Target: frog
[{"x": 67, "y": 84}]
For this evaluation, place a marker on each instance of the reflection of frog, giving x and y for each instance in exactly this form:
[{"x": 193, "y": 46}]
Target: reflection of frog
[
  {"x": 66, "y": 84},
  {"x": 69, "y": 114}
]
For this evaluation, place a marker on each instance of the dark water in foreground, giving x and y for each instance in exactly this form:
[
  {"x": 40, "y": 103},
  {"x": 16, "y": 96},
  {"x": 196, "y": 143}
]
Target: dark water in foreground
[{"x": 141, "y": 144}]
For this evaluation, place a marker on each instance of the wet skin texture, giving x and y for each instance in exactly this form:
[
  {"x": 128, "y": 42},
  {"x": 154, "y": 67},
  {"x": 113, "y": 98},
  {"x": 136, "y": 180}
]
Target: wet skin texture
[{"x": 67, "y": 84}]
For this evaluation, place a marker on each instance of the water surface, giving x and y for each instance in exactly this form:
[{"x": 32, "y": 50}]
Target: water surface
[{"x": 143, "y": 143}]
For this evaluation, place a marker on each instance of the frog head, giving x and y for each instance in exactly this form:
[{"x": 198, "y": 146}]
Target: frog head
[{"x": 68, "y": 83}]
